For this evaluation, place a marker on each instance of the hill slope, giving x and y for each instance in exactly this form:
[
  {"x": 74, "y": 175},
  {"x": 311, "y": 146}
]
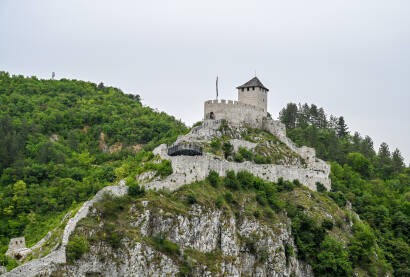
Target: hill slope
[
  {"x": 52, "y": 158},
  {"x": 51, "y": 154}
]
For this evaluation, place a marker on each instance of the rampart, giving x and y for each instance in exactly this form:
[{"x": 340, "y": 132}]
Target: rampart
[{"x": 234, "y": 111}]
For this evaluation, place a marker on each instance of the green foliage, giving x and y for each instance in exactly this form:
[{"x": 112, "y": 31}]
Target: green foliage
[
  {"x": 259, "y": 159},
  {"x": 165, "y": 246},
  {"x": 359, "y": 163},
  {"x": 134, "y": 189},
  {"x": 327, "y": 224},
  {"x": 231, "y": 181},
  {"x": 213, "y": 178},
  {"x": 284, "y": 185},
  {"x": 227, "y": 148},
  {"x": 361, "y": 247},
  {"x": 50, "y": 158},
  {"x": 228, "y": 197},
  {"x": 245, "y": 153},
  {"x": 191, "y": 199},
  {"x": 320, "y": 187},
  {"x": 332, "y": 259},
  {"x": 219, "y": 201},
  {"x": 238, "y": 158},
  {"x": 215, "y": 145},
  {"x": 164, "y": 169},
  {"x": 76, "y": 247}
]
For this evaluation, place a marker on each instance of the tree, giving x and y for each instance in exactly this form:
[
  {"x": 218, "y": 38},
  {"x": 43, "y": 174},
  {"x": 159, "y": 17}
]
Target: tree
[
  {"x": 288, "y": 115},
  {"x": 397, "y": 161},
  {"x": 342, "y": 129},
  {"x": 359, "y": 163},
  {"x": 20, "y": 198},
  {"x": 332, "y": 259},
  {"x": 384, "y": 163},
  {"x": 367, "y": 148}
]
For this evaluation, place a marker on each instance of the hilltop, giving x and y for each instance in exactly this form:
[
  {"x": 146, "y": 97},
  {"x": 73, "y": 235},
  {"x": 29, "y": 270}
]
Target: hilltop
[{"x": 252, "y": 203}]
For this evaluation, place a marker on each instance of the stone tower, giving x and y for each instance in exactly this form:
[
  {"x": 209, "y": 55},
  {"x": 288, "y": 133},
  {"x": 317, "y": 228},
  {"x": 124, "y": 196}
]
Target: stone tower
[{"x": 253, "y": 93}]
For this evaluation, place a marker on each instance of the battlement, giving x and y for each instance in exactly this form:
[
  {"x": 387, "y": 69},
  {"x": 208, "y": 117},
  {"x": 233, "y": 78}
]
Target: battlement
[
  {"x": 234, "y": 111},
  {"x": 232, "y": 102}
]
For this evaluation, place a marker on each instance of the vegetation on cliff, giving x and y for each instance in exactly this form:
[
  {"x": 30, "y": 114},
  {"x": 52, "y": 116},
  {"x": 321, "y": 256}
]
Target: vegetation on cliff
[
  {"x": 328, "y": 243},
  {"x": 51, "y": 155},
  {"x": 376, "y": 184}
]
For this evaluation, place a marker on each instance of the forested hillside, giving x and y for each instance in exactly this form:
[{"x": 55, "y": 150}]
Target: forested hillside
[
  {"x": 51, "y": 154},
  {"x": 376, "y": 184},
  {"x": 63, "y": 140}
]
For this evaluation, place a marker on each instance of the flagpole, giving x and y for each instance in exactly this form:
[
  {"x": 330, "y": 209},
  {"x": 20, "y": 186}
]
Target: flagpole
[{"x": 217, "y": 87}]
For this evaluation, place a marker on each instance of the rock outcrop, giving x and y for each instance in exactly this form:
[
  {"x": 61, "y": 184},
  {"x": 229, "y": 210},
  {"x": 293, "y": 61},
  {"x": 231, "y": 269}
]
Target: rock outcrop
[{"x": 188, "y": 169}]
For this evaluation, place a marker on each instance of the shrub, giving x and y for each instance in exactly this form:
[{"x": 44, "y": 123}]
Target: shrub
[
  {"x": 76, "y": 247},
  {"x": 215, "y": 145},
  {"x": 245, "y": 179},
  {"x": 297, "y": 183},
  {"x": 246, "y": 154},
  {"x": 320, "y": 187},
  {"x": 332, "y": 259},
  {"x": 166, "y": 246},
  {"x": 196, "y": 124},
  {"x": 164, "y": 168},
  {"x": 231, "y": 181},
  {"x": 110, "y": 207},
  {"x": 112, "y": 235},
  {"x": 134, "y": 189},
  {"x": 276, "y": 203},
  {"x": 327, "y": 224},
  {"x": 227, "y": 149},
  {"x": 339, "y": 198},
  {"x": 219, "y": 201},
  {"x": 213, "y": 178},
  {"x": 228, "y": 197},
  {"x": 191, "y": 199},
  {"x": 261, "y": 198},
  {"x": 257, "y": 213},
  {"x": 258, "y": 159},
  {"x": 308, "y": 236},
  {"x": 238, "y": 158},
  {"x": 284, "y": 185}
]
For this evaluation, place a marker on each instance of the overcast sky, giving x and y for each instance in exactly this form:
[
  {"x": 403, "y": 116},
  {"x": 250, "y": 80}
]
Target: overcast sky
[{"x": 350, "y": 57}]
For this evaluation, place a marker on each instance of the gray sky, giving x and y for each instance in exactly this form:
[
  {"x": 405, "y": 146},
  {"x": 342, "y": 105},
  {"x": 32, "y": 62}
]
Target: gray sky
[{"x": 350, "y": 57}]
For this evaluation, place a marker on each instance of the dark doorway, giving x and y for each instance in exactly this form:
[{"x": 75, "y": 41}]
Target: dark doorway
[{"x": 211, "y": 115}]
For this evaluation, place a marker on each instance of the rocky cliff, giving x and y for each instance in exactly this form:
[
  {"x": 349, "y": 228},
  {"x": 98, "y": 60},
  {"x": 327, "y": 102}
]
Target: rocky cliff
[{"x": 198, "y": 229}]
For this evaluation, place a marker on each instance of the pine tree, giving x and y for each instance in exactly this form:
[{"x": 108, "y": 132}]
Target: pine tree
[
  {"x": 322, "y": 120},
  {"x": 288, "y": 115},
  {"x": 397, "y": 161},
  {"x": 367, "y": 148},
  {"x": 342, "y": 129},
  {"x": 384, "y": 161}
]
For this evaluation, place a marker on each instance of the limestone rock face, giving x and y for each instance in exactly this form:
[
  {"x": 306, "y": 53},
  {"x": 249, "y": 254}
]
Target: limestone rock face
[{"x": 245, "y": 247}]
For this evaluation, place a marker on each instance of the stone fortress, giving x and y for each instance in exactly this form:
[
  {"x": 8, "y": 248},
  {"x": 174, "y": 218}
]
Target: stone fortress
[
  {"x": 190, "y": 164},
  {"x": 249, "y": 111},
  {"x": 250, "y": 108}
]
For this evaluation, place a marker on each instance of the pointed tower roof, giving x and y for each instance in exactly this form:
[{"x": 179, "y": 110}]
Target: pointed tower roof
[{"x": 254, "y": 82}]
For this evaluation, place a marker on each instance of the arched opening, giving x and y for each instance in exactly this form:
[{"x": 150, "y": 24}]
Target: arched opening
[{"x": 211, "y": 115}]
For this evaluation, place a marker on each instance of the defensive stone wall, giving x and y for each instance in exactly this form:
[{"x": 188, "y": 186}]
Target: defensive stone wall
[
  {"x": 43, "y": 266},
  {"x": 234, "y": 111},
  {"x": 188, "y": 169}
]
